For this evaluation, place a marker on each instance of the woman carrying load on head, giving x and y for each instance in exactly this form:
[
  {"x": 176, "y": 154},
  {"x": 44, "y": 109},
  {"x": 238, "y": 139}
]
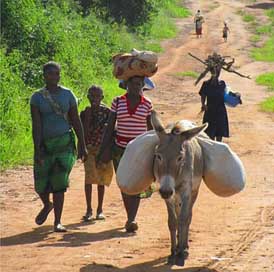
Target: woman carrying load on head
[
  {"x": 212, "y": 100},
  {"x": 131, "y": 114},
  {"x": 198, "y": 20},
  {"x": 54, "y": 113}
]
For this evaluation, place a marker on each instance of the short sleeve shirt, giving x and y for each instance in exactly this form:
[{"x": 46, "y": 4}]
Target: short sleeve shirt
[
  {"x": 54, "y": 125},
  {"x": 130, "y": 122}
]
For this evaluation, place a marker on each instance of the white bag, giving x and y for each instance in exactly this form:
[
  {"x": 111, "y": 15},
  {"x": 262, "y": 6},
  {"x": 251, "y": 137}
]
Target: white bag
[
  {"x": 147, "y": 56},
  {"x": 135, "y": 170},
  {"x": 224, "y": 172}
]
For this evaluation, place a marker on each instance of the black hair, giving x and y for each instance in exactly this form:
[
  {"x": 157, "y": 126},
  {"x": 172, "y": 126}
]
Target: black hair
[
  {"x": 95, "y": 87},
  {"x": 49, "y": 65},
  {"x": 142, "y": 77}
]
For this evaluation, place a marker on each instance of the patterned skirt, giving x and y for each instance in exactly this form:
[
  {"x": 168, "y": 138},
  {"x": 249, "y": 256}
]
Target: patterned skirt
[
  {"x": 58, "y": 159},
  {"x": 101, "y": 175}
]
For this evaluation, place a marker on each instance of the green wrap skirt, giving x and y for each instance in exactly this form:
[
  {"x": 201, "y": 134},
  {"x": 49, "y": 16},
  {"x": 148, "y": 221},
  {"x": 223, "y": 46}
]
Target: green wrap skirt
[{"x": 59, "y": 155}]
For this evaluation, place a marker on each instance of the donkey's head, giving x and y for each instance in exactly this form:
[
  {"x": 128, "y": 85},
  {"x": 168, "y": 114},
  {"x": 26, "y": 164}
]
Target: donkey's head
[{"x": 171, "y": 154}]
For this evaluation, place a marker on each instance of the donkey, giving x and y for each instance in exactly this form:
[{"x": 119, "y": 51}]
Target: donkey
[{"x": 178, "y": 167}]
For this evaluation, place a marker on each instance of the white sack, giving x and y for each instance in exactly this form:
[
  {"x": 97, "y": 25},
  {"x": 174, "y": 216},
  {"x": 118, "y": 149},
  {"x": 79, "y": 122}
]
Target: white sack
[
  {"x": 224, "y": 172},
  {"x": 135, "y": 170}
]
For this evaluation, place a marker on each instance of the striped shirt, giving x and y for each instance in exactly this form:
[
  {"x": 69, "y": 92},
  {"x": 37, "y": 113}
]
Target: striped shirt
[{"x": 130, "y": 122}]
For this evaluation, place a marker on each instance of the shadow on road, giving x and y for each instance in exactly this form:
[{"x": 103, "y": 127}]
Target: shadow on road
[
  {"x": 262, "y": 6},
  {"x": 68, "y": 239},
  {"x": 158, "y": 265}
]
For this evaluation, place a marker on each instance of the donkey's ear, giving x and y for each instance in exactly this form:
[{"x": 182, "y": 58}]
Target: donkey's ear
[
  {"x": 157, "y": 124},
  {"x": 188, "y": 134}
]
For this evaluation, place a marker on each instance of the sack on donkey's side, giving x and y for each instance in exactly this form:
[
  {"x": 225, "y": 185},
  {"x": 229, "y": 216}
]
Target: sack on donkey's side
[
  {"x": 224, "y": 173},
  {"x": 135, "y": 170}
]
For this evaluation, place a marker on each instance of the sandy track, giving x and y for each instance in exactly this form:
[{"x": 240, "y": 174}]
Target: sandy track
[{"x": 227, "y": 234}]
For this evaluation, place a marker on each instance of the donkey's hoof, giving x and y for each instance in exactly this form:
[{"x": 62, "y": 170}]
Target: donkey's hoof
[
  {"x": 171, "y": 259},
  {"x": 180, "y": 260}
]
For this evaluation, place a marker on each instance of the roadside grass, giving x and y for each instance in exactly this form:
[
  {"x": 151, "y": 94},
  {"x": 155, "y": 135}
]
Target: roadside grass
[
  {"x": 174, "y": 9},
  {"x": 255, "y": 38},
  {"x": 266, "y": 79},
  {"x": 268, "y": 104},
  {"x": 263, "y": 53},
  {"x": 191, "y": 74},
  {"x": 163, "y": 26},
  {"x": 248, "y": 18}
]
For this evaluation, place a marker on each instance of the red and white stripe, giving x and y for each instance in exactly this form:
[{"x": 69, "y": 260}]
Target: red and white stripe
[{"x": 130, "y": 123}]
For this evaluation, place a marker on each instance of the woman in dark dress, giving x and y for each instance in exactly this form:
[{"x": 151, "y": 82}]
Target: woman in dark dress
[{"x": 212, "y": 99}]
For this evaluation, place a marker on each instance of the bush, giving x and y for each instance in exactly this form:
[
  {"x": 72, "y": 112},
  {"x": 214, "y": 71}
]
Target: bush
[{"x": 37, "y": 31}]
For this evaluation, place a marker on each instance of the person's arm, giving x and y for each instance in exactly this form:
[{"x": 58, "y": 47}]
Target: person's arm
[
  {"x": 106, "y": 145},
  {"x": 36, "y": 133},
  {"x": 78, "y": 128},
  {"x": 203, "y": 100},
  {"x": 202, "y": 93},
  {"x": 149, "y": 124}
]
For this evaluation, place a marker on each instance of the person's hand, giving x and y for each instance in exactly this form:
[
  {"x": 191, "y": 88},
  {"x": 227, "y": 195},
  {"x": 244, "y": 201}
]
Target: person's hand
[
  {"x": 82, "y": 153},
  {"x": 204, "y": 107},
  {"x": 38, "y": 158}
]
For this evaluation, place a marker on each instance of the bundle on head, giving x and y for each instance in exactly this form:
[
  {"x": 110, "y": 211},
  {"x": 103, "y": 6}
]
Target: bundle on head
[
  {"x": 136, "y": 63},
  {"x": 215, "y": 63}
]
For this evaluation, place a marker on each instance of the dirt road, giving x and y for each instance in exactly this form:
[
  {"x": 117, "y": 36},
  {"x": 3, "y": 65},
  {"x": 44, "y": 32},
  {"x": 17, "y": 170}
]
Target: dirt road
[{"x": 227, "y": 234}]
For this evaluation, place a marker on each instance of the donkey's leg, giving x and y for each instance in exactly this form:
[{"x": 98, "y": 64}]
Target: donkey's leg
[
  {"x": 183, "y": 227},
  {"x": 172, "y": 225},
  {"x": 193, "y": 199}
]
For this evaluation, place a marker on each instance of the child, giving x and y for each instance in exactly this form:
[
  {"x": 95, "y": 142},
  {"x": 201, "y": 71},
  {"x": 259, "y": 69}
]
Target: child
[
  {"x": 94, "y": 120},
  {"x": 225, "y": 31}
]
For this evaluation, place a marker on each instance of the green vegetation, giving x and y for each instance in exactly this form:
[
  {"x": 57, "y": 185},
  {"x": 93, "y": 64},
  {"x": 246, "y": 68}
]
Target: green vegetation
[
  {"x": 248, "y": 18},
  {"x": 187, "y": 74},
  {"x": 266, "y": 79},
  {"x": 268, "y": 104},
  {"x": 177, "y": 11},
  {"x": 255, "y": 38},
  {"x": 265, "y": 53},
  {"x": 82, "y": 39}
]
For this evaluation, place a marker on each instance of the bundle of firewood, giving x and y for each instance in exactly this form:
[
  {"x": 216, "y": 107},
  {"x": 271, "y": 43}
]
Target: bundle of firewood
[{"x": 215, "y": 63}]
